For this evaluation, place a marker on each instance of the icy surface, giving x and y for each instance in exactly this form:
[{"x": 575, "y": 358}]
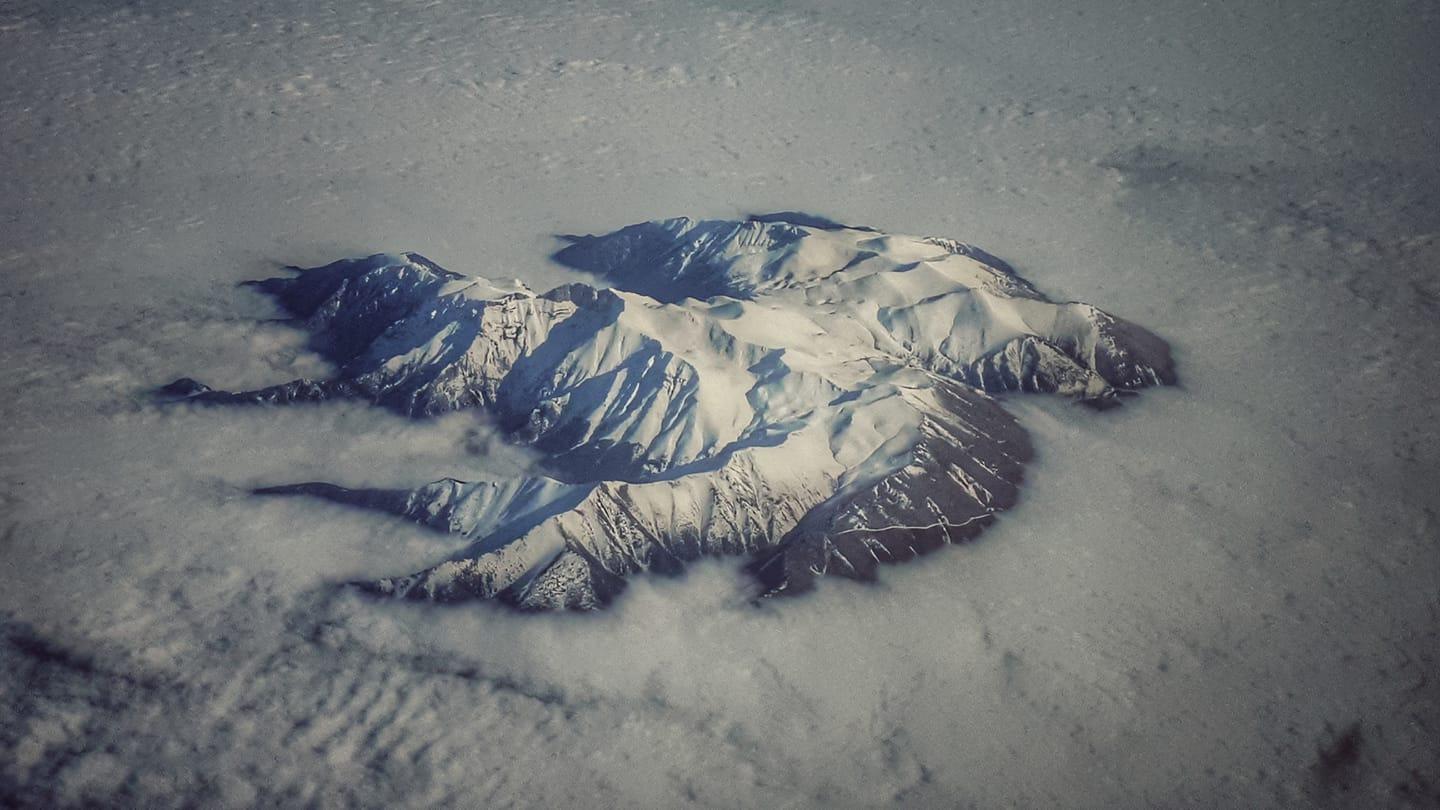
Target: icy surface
[
  {"x": 806, "y": 393},
  {"x": 1222, "y": 595}
]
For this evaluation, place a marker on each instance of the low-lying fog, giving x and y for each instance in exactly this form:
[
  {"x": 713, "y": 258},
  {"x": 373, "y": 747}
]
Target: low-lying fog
[{"x": 1222, "y": 594}]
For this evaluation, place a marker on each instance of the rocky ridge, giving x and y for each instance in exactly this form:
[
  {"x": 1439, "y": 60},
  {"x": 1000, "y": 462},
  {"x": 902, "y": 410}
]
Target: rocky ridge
[{"x": 815, "y": 396}]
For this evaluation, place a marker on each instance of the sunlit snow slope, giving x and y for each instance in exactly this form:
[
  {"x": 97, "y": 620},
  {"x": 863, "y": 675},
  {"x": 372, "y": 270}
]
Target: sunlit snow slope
[{"x": 807, "y": 393}]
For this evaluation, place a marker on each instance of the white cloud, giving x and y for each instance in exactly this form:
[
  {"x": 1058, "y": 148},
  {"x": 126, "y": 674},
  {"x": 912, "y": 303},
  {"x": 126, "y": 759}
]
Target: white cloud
[{"x": 1195, "y": 599}]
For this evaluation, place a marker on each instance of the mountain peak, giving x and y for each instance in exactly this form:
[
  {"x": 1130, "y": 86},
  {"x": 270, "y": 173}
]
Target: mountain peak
[{"x": 815, "y": 395}]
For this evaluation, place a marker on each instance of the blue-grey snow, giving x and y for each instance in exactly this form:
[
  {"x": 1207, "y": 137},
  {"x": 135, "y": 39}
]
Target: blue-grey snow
[{"x": 813, "y": 396}]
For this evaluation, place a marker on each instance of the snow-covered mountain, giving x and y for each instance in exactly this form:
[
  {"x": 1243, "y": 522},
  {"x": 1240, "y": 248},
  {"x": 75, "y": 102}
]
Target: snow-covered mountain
[{"x": 813, "y": 395}]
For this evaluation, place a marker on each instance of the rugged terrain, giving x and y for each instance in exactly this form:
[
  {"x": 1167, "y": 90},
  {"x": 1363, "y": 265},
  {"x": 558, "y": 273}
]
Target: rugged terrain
[{"x": 813, "y": 395}]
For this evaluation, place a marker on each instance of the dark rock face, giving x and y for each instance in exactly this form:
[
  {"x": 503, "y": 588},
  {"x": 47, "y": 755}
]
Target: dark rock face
[{"x": 813, "y": 395}]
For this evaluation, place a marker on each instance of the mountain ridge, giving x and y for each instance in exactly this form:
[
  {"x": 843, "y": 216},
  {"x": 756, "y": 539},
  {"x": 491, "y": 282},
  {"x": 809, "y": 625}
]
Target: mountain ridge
[{"x": 814, "y": 395}]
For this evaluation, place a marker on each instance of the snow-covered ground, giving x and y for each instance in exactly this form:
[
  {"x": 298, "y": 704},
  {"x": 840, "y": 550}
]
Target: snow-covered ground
[{"x": 1225, "y": 594}]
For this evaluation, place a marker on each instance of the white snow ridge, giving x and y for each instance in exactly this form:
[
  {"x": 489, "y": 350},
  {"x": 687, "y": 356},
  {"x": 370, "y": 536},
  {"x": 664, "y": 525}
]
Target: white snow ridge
[{"x": 813, "y": 395}]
